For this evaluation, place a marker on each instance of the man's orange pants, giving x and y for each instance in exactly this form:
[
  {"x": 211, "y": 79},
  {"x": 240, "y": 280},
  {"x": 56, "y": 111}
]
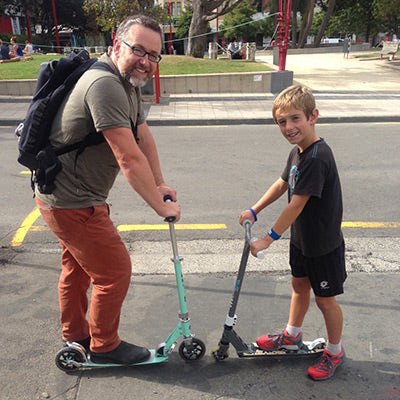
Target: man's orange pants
[{"x": 92, "y": 252}]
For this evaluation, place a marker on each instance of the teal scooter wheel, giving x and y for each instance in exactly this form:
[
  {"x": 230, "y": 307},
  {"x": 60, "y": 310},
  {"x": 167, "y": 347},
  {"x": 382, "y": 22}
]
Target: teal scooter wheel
[
  {"x": 193, "y": 352},
  {"x": 66, "y": 357}
]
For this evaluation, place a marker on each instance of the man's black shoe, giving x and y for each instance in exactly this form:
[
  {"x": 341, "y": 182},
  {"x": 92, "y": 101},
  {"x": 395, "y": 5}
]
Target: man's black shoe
[
  {"x": 125, "y": 353},
  {"x": 84, "y": 342}
]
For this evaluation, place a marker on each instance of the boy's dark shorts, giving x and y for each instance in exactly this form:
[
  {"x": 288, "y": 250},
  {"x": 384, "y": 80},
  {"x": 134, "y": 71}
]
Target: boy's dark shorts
[{"x": 326, "y": 273}]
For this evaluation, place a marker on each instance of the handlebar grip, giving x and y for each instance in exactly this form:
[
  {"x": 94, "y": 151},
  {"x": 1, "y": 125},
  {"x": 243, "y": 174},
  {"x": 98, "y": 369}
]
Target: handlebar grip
[
  {"x": 168, "y": 199},
  {"x": 260, "y": 254}
]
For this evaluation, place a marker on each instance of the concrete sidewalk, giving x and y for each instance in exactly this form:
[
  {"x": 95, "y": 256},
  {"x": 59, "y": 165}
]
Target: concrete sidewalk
[{"x": 347, "y": 90}]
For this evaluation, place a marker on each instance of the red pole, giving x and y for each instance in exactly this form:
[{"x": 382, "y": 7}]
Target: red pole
[
  {"x": 28, "y": 26},
  {"x": 284, "y": 26},
  {"x": 56, "y": 26},
  {"x": 280, "y": 35},
  {"x": 157, "y": 84}
]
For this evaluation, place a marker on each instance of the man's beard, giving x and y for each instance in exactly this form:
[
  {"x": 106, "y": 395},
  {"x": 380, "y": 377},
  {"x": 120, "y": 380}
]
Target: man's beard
[
  {"x": 135, "y": 82},
  {"x": 139, "y": 83}
]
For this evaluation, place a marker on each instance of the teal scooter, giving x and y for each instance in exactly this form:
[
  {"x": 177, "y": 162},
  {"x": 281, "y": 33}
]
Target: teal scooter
[{"x": 73, "y": 356}]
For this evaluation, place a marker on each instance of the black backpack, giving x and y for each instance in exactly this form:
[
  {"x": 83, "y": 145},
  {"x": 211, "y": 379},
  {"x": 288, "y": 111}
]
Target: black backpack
[{"x": 55, "y": 80}]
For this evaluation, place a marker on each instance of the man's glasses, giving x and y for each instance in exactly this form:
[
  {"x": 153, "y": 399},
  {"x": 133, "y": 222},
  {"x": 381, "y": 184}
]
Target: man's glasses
[{"x": 137, "y": 51}]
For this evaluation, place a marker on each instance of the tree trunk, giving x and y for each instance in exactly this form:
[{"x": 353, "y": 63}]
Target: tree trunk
[
  {"x": 198, "y": 26},
  {"x": 307, "y": 24},
  {"x": 205, "y": 11},
  {"x": 294, "y": 23},
  {"x": 324, "y": 24}
]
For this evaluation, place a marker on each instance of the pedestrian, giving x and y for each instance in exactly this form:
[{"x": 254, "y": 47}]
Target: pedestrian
[
  {"x": 16, "y": 48},
  {"x": 92, "y": 250},
  {"x": 314, "y": 213},
  {"x": 28, "y": 47},
  {"x": 346, "y": 47},
  {"x": 3, "y": 52}
]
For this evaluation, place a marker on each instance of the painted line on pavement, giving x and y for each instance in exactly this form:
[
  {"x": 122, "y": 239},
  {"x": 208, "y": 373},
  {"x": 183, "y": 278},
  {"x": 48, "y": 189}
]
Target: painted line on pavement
[
  {"x": 25, "y": 227},
  {"x": 202, "y": 126},
  {"x": 356, "y": 224},
  {"x": 128, "y": 228}
]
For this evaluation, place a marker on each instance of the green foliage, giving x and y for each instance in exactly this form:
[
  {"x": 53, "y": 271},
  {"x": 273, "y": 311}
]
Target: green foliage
[
  {"x": 183, "y": 26},
  {"x": 387, "y": 13},
  {"x": 239, "y": 16},
  {"x": 109, "y": 13}
]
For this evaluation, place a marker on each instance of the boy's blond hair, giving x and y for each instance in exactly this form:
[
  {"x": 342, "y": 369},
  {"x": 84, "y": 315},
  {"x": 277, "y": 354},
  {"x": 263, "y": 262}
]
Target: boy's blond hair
[{"x": 297, "y": 96}]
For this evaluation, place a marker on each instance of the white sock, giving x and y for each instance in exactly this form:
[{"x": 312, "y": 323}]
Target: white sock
[
  {"x": 292, "y": 330},
  {"x": 334, "y": 349}
]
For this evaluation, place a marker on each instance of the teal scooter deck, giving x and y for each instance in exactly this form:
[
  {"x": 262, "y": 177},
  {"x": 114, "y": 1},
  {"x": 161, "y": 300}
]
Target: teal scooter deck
[{"x": 73, "y": 356}]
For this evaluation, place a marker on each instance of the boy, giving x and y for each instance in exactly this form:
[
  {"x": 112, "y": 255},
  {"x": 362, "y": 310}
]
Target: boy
[{"x": 314, "y": 213}]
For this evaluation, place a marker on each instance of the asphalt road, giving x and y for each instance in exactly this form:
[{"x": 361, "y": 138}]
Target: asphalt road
[{"x": 218, "y": 171}]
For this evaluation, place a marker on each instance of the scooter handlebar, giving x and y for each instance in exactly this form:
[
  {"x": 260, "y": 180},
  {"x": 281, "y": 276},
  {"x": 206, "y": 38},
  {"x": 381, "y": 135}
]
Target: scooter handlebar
[
  {"x": 247, "y": 225},
  {"x": 168, "y": 199}
]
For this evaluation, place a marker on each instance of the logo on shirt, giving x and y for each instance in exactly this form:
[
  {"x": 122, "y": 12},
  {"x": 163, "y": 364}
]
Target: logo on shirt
[{"x": 293, "y": 177}]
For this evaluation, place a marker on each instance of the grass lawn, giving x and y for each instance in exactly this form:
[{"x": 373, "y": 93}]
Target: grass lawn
[{"x": 170, "y": 65}]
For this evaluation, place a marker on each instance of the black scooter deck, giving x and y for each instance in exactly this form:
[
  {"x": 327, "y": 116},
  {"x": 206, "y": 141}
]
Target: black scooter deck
[{"x": 309, "y": 349}]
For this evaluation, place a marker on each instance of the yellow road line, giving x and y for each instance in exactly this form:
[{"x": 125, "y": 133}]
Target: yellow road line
[
  {"x": 25, "y": 227},
  {"x": 355, "y": 224},
  {"x": 127, "y": 228},
  {"x": 202, "y": 126},
  {"x": 25, "y": 172}
]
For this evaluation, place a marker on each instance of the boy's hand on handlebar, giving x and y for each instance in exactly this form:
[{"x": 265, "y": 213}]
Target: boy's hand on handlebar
[
  {"x": 246, "y": 215},
  {"x": 259, "y": 245}
]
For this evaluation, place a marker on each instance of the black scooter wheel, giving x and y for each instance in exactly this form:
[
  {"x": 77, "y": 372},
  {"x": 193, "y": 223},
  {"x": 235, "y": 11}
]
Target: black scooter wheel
[
  {"x": 67, "y": 354},
  {"x": 194, "y": 352},
  {"x": 218, "y": 355}
]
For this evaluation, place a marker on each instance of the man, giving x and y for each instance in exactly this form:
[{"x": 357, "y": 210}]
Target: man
[
  {"x": 3, "y": 52},
  {"x": 92, "y": 250}
]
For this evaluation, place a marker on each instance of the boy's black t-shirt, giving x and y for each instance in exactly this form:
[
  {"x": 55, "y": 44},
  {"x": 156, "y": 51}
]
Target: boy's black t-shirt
[{"x": 317, "y": 230}]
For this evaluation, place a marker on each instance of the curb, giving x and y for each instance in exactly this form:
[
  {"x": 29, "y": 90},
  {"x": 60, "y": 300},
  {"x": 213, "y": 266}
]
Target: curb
[{"x": 246, "y": 121}]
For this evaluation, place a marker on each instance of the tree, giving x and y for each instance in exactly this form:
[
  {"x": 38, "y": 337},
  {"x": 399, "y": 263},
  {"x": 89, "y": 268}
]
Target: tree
[
  {"x": 306, "y": 23},
  {"x": 205, "y": 11},
  {"x": 182, "y": 28},
  {"x": 387, "y": 13},
  {"x": 328, "y": 14},
  {"x": 109, "y": 13},
  {"x": 233, "y": 22}
]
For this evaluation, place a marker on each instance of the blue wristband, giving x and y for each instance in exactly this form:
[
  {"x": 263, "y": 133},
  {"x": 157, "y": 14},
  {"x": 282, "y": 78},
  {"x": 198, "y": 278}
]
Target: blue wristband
[
  {"x": 254, "y": 214},
  {"x": 273, "y": 234}
]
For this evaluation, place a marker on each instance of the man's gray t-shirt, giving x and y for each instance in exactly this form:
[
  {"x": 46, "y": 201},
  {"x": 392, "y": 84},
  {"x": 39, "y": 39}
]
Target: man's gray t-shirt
[{"x": 100, "y": 100}]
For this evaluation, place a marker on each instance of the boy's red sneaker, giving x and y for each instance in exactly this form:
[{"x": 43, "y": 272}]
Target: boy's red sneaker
[
  {"x": 326, "y": 365},
  {"x": 280, "y": 341}
]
